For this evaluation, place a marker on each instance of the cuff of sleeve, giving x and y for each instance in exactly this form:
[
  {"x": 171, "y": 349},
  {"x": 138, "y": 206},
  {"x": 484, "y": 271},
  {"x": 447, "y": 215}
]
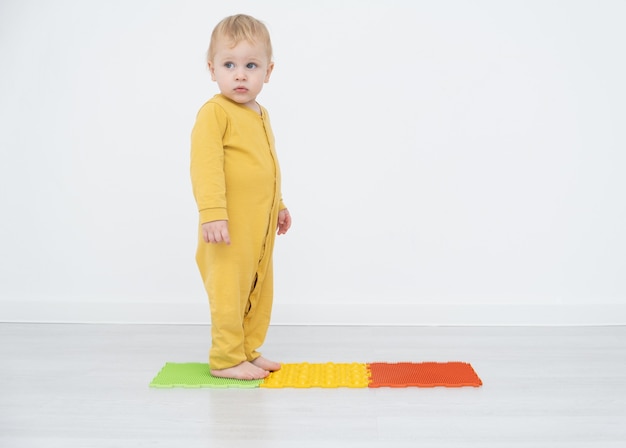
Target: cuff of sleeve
[
  {"x": 213, "y": 214},
  {"x": 282, "y": 205}
]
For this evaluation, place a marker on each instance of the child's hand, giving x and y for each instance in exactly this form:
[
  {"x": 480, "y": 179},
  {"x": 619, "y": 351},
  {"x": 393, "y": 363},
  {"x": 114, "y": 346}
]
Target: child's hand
[
  {"x": 284, "y": 221},
  {"x": 215, "y": 232}
]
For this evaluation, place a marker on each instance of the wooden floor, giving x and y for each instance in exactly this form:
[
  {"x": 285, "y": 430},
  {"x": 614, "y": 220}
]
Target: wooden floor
[{"x": 87, "y": 386}]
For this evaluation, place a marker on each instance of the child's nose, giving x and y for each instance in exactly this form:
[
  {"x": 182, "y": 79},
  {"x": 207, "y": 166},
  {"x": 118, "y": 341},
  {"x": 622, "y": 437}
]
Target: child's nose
[{"x": 240, "y": 75}]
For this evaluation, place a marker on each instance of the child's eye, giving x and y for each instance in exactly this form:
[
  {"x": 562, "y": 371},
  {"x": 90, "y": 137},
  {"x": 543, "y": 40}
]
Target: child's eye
[
  {"x": 251, "y": 65},
  {"x": 229, "y": 65}
]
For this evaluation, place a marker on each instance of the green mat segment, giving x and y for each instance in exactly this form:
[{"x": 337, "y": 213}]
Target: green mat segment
[{"x": 194, "y": 375}]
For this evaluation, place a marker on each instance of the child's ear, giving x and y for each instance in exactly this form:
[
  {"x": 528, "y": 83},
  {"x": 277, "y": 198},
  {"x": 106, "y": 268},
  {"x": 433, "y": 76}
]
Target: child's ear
[
  {"x": 270, "y": 67},
  {"x": 212, "y": 70}
]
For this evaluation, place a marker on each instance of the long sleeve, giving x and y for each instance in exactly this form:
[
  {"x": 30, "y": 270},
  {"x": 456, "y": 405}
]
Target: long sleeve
[{"x": 207, "y": 162}]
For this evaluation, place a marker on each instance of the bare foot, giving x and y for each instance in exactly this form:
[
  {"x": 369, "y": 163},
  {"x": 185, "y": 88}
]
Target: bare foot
[
  {"x": 243, "y": 371},
  {"x": 266, "y": 364}
]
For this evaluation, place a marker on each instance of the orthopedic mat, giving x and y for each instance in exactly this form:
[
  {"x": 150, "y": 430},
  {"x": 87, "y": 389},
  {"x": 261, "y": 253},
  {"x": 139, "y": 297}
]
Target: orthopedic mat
[
  {"x": 318, "y": 375},
  {"x": 424, "y": 374},
  {"x": 328, "y": 375},
  {"x": 193, "y": 375}
]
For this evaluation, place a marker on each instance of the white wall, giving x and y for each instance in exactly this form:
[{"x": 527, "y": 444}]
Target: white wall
[{"x": 446, "y": 162}]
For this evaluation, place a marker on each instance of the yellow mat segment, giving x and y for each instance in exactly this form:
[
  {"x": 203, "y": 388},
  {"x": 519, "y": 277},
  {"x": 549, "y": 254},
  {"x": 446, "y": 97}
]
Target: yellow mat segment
[{"x": 304, "y": 375}]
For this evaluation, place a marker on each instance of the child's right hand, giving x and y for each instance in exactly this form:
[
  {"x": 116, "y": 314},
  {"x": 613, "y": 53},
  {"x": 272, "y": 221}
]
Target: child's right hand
[{"x": 215, "y": 232}]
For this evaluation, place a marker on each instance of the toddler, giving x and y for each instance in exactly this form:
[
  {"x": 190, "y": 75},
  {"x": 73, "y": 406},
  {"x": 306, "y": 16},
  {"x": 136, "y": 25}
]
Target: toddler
[{"x": 236, "y": 184}]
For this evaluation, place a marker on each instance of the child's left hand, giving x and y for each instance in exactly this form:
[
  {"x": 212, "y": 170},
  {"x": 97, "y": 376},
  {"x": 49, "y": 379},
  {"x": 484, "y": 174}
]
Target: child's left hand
[{"x": 284, "y": 221}]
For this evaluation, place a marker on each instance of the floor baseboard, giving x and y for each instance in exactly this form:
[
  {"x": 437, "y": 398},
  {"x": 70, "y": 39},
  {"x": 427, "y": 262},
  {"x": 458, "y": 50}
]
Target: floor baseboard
[{"x": 320, "y": 313}]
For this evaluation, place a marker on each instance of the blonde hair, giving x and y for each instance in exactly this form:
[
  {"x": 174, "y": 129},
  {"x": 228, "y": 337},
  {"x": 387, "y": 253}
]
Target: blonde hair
[{"x": 238, "y": 28}]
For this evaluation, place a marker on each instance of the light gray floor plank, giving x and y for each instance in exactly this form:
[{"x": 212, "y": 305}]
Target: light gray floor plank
[{"x": 87, "y": 386}]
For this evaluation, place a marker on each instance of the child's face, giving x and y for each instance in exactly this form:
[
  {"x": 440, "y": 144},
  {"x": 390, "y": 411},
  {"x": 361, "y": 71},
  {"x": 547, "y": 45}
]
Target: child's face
[{"x": 241, "y": 71}]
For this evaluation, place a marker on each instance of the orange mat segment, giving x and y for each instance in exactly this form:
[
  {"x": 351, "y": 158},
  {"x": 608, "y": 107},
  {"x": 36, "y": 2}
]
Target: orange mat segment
[{"x": 424, "y": 374}]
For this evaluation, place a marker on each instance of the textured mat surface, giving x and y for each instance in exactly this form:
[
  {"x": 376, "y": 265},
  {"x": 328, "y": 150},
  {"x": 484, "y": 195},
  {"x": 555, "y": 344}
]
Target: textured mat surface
[
  {"x": 328, "y": 375},
  {"x": 319, "y": 375},
  {"x": 425, "y": 374},
  {"x": 195, "y": 375}
]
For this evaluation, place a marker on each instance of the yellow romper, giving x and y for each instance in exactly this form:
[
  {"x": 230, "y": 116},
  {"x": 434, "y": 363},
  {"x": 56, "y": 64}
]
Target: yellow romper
[{"x": 236, "y": 177}]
